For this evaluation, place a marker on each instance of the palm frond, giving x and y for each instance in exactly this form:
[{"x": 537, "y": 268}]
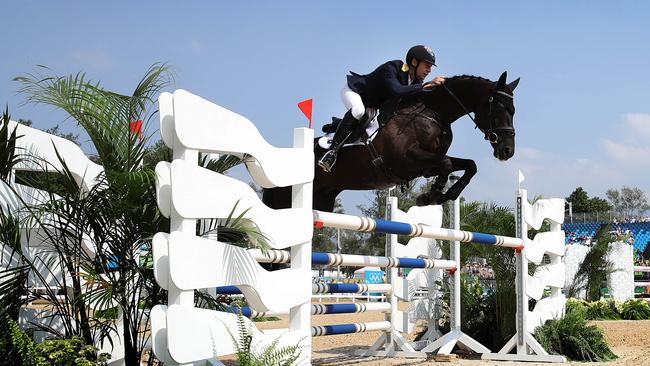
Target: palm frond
[
  {"x": 221, "y": 164},
  {"x": 105, "y": 115},
  {"x": 9, "y": 156}
]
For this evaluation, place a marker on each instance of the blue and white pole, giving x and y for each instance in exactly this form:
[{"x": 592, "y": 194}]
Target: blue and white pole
[{"x": 366, "y": 224}]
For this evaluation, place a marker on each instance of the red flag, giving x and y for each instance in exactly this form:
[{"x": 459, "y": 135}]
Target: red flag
[
  {"x": 136, "y": 127},
  {"x": 305, "y": 107}
]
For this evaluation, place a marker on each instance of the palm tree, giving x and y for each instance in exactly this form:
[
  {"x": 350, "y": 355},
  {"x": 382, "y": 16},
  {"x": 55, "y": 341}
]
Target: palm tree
[
  {"x": 594, "y": 269},
  {"x": 118, "y": 216}
]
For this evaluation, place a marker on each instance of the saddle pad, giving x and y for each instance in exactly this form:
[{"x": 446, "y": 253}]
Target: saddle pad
[{"x": 372, "y": 127}]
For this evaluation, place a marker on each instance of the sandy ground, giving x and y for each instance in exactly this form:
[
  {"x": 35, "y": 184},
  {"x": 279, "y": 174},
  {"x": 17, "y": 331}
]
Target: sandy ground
[{"x": 630, "y": 340}]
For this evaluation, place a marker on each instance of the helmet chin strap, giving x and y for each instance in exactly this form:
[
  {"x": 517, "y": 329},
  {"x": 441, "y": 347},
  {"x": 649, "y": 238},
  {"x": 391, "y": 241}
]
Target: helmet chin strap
[{"x": 415, "y": 72}]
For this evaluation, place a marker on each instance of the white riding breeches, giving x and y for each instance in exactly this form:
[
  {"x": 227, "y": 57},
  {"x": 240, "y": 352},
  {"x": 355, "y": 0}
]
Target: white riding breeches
[{"x": 352, "y": 101}]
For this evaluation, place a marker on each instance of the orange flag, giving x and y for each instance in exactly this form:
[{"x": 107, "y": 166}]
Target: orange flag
[
  {"x": 306, "y": 106},
  {"x": 136, "y": 128}
]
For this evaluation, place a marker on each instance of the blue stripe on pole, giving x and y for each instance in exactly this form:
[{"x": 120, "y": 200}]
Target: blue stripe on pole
[
  {"x": 339, "y": 329},
  {"x": 392, "y": 227},
  {"x": 245, "y": 310},
  {"x": 412, "y": 263},
  {"x": 320, "y": 258},
  {"x": 340, "y": 308},
  {"x": 484, "y": 238},
  {"x": 228, "y": 290},
  {"x": 333, "y": 288}
]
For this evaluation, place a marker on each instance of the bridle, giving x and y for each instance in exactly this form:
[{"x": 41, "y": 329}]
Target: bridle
[{"x": 493, "y": 133}]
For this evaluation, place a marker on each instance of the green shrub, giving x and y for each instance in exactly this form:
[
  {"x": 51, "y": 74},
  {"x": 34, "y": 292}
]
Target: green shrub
[
  {"x": 17, "y": 347},
  {"x": 602, "y": 310},
  {"x": 247, "y": 355},
  {"x": 572, "y": 337},
  {"x": 577, "y": 305},
  {"x": 70, "y": 352},
  {"x": 638, "y": 309}
]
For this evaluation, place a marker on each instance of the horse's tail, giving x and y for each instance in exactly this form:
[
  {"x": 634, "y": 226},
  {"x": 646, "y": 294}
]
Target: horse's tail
[{"x": 278, "y": 197}]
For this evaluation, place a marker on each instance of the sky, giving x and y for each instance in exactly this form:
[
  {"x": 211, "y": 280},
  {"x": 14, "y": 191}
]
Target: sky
[{"x": 583, "y": 103}]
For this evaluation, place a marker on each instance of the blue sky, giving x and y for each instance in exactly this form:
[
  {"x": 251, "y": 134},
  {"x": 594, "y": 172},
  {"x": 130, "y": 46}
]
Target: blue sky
[{"x": 583, "y": 104}]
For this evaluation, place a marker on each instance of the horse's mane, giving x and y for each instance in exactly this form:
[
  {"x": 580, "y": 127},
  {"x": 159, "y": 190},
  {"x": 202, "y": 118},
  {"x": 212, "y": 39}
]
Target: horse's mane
[{"x": 464, "y": 77}]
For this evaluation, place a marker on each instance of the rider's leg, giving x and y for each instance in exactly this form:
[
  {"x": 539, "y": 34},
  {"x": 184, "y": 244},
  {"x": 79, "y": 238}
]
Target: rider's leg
[
  {"x": 343, "y": 131},
  {"x": 353, "y": 102},
  {"x": 356, "y": 110}
]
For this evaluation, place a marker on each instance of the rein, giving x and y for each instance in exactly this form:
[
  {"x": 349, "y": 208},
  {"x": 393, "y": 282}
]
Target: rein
[{"x": 492, "y": 133}]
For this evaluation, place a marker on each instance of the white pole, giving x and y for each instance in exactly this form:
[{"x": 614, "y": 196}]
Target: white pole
[
  {"x": 301, "y": 197},
  {"x": 338, "y": 251},
  {"x": 180, "y": 224},
  {"x": 391, "y": 273},
  {"x": 454, "y": 251},
  {"x": 522, "y": 273}
]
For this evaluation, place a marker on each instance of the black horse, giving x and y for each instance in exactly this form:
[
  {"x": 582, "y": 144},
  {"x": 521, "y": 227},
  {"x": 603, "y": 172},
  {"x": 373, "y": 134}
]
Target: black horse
[{"x": 415, "y": 141}]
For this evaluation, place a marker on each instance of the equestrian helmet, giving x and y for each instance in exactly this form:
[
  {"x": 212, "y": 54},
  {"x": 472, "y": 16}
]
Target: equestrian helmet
[{"x": 421, "y": 53}]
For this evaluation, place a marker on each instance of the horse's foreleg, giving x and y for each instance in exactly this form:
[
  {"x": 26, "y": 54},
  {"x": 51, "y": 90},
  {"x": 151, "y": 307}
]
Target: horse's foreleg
[
  {"x": 469, "y": 168},
  {"x": 435, "y": 195}
]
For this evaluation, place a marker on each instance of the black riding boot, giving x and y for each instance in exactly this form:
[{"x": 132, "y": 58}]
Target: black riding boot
[{"x": 343, "y": 131}]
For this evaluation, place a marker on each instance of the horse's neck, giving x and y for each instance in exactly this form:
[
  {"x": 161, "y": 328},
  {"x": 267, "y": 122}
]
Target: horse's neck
[{"x": 467, "y": 93}]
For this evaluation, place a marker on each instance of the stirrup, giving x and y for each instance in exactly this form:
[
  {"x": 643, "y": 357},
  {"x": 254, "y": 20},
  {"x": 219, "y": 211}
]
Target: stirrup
[{"x": 327, "y": 161}]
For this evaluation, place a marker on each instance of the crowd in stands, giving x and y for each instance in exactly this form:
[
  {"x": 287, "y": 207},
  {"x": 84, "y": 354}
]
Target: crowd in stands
[
  {"x": 479, "y": 269},
  {"x": 634, "y": 231},
  {"x": 622, "y": 235},
  {"x": 631, "y": 220},
  {"x": 641, "y": 260},
  {"x": 573, "y": 238}
]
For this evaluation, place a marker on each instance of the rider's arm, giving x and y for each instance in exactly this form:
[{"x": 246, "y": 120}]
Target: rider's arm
[{"x": 389, "y": 76}]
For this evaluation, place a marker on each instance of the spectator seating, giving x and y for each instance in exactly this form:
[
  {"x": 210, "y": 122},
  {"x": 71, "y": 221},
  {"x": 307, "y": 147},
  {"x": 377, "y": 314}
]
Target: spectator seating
[{"x": 583, "y": 231}]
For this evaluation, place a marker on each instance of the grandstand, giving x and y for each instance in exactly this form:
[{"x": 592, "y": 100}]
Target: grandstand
[{"x": 583, "y": 232}]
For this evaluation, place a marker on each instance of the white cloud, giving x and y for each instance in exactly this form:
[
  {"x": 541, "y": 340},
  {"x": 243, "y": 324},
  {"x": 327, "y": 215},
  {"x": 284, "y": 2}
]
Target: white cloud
[
  {"x": 627, "y": 153},
  {"x": 631, "y": 148},
  {"x": 638, "y": 125},
  {"x": 97, "y": 59},
  {"x": 529, "y": 153},
  {"x": 550, "y": 174}
]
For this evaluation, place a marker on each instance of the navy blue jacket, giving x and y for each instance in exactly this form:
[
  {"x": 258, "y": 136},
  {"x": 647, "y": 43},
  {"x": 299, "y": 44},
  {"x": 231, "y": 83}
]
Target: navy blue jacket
[{"x": 388, "y": 81}]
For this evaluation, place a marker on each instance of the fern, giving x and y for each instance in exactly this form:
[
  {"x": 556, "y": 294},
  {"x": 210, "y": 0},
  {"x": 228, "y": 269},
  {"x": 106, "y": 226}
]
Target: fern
[
  {"x": 270, "y": 355},
  {"x": 18, "y": 347}
]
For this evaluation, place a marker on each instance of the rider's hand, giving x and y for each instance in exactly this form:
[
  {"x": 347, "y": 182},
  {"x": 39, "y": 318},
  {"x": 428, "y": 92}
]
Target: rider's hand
[{"x": 437, "y": 81}]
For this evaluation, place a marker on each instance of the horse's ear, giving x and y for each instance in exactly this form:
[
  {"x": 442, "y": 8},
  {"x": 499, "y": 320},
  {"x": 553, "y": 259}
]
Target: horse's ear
[
  {"x": 502, "y": 80},
  {"x": 514, "y": 84}
]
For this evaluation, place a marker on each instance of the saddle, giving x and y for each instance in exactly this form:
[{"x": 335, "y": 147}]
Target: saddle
[
  {"x": 363, "y": 134},
  {"x": 368, "y": 117}
]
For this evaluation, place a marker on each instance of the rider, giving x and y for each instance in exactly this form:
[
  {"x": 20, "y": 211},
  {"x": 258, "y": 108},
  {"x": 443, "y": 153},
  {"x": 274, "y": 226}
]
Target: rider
[{"x": 392, "y": 79}]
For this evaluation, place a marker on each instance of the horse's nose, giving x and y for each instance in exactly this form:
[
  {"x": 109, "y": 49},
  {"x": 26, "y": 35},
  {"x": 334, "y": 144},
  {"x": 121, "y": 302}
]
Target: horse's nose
[{"x": 507, "y": 152}]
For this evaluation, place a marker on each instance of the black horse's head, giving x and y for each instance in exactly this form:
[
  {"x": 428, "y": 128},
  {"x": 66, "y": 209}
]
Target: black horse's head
[{"x": 494, "y": 118}]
